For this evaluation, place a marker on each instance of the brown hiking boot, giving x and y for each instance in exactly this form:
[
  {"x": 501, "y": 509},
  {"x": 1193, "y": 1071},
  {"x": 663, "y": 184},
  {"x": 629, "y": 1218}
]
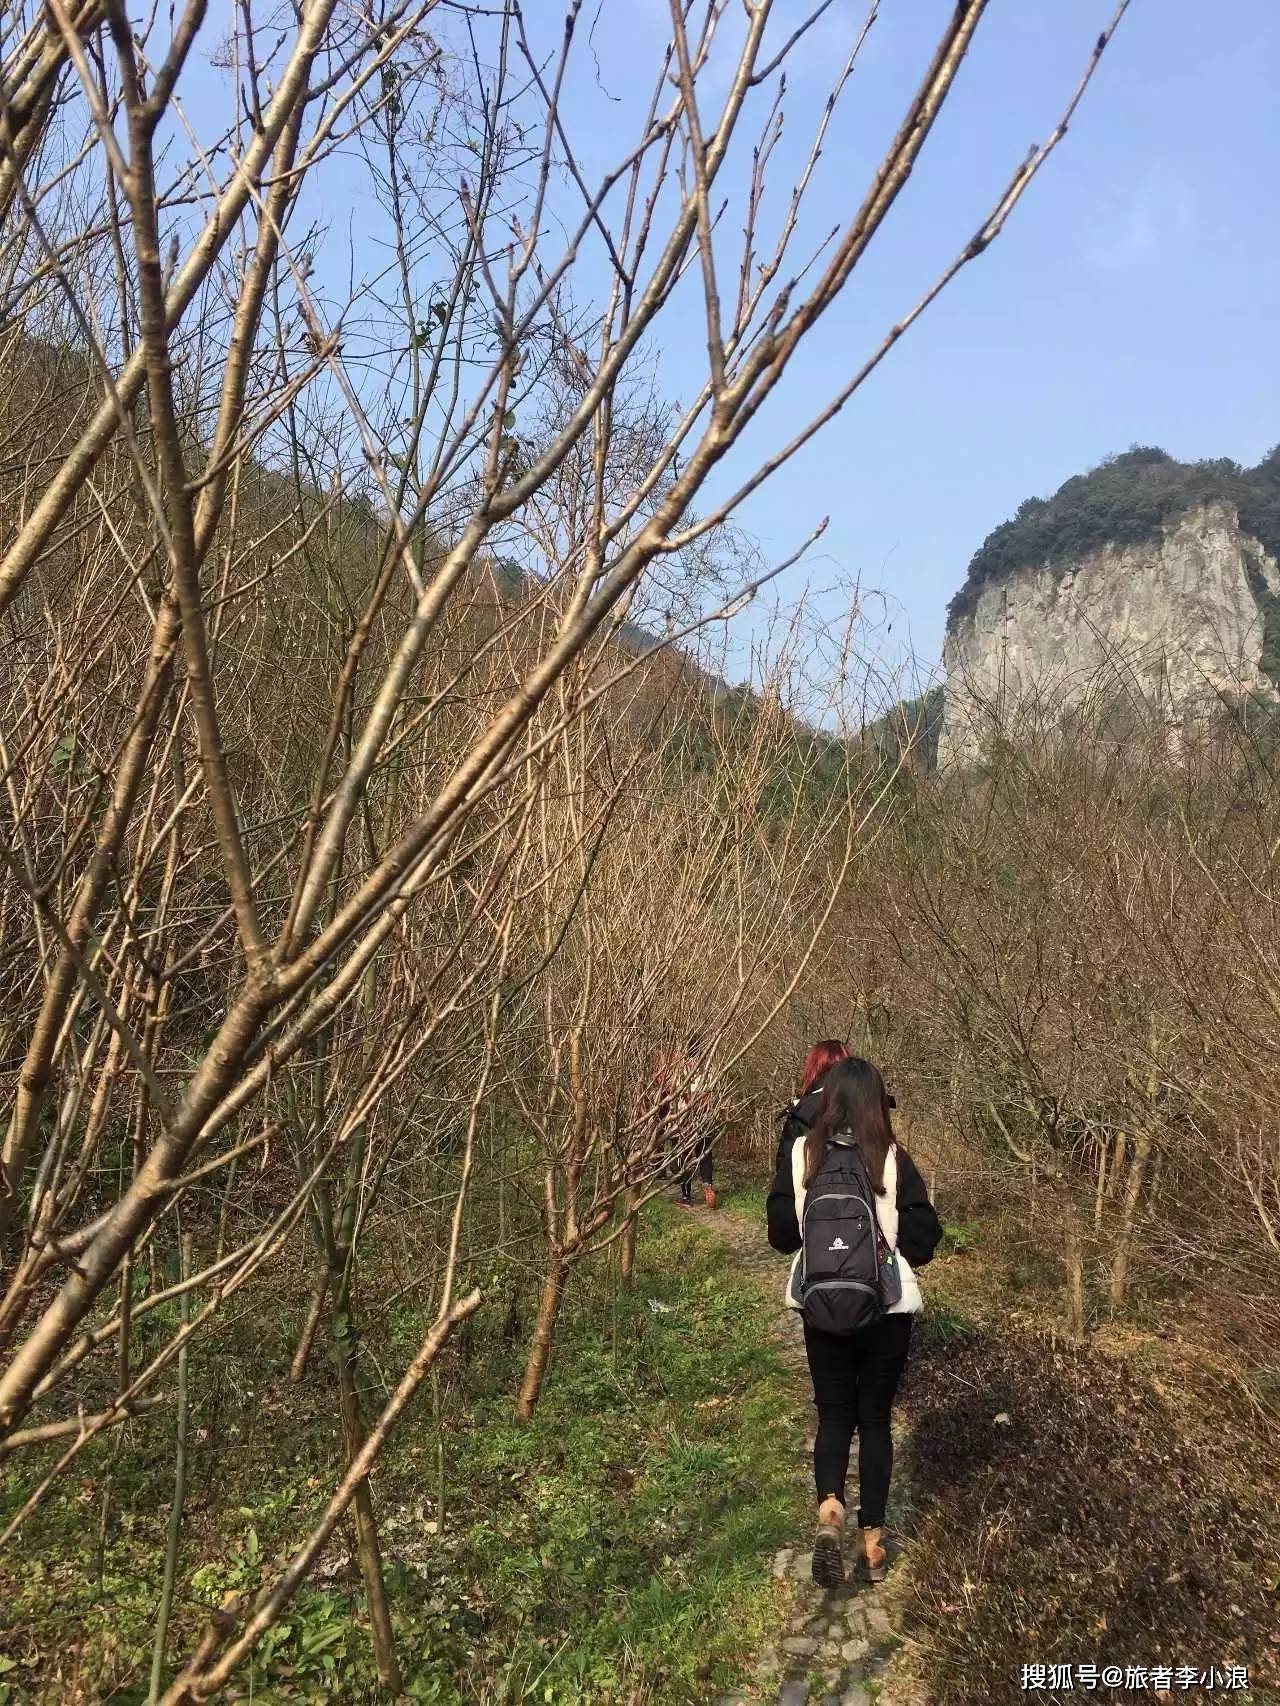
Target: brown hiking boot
[
  {"x": 873, "y": 1560},
  {"x": 828, "y": 1545}
]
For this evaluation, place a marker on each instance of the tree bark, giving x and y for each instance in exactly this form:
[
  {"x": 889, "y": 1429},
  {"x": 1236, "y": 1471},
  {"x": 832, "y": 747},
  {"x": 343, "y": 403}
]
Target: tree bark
[
  {"x": 627, "y": 1243},
  {"x": 1119, "y": 1282},
  {"x": 1117, "y": 1163},
  {"x": 174, "y": 1540},
  {"x": 1075, "y": 1280},
  {"x": 549, "y": 1301},
  {"x": 354, "y": 1433},
  {"x": 306, "y": 1338},
  {"x": 1102, "y": 1182}
]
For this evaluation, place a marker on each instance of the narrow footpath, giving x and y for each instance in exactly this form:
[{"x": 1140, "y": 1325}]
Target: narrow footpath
[{"x": 835, "y": 1649}]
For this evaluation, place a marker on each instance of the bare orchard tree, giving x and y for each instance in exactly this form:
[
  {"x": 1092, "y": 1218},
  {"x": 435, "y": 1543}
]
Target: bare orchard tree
[
  {"x": 703, "y": 872},
  {"x": 1076, "y": 947},
  {"x": 272, "y": 699}
]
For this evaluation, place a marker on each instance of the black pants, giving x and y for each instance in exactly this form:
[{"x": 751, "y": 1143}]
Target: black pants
[
  {"x": 855, "y": 1381},
  {"x": 705, "y": 1170}
]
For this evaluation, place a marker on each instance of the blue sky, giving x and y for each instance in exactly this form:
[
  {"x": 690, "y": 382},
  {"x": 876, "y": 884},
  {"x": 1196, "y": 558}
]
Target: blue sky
[{"x": 1132, "y": 298}]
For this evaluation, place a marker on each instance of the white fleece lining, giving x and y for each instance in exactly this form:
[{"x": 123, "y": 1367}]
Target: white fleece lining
[{"x": 911, "y": 1302}]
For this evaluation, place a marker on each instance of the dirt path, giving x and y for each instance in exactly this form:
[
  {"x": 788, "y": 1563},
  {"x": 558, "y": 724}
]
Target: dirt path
[{"x": 835, "y": 1649}]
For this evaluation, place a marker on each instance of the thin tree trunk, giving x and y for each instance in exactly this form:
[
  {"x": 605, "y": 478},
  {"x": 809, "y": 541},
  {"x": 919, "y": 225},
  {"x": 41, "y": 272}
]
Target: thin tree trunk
[
  {"x": 615, "y": 1293},
  {"x": 1117, "y": 1163},
  {"x": 354, "y": 1432},
  {"x": 438, "y": 1414},
  {"x": 335, "y": 1241},
  {"x": 1102, "y": 1182},
  {"x": 1119, "y": 1283},
  {"x": 535, "y": 1368},
  {"x": 306, "y": 1338},
  {"x": 1075, "y": 1280},
  {"x": 1154, "y": 1193},
  {"x": 179, "y": 1491},
  {"x": 627, "y": 1243},
  {"x": 99, "y": 1562}
]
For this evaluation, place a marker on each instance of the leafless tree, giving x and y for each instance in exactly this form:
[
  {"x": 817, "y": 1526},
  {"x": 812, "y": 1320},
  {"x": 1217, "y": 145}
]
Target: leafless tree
[{"x": 280, "y": 718}]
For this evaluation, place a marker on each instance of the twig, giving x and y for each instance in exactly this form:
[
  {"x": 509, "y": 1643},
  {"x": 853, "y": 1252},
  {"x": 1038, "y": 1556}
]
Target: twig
[{"x": 179, "y": 1491}]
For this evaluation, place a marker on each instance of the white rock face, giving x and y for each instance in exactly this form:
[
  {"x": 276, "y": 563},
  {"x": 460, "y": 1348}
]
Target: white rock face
[{"x": 1170, "y": 624}]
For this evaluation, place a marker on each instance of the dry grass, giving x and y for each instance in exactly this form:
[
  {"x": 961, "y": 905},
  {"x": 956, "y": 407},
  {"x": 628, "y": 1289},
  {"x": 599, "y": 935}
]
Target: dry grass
[{"x": 1093, "y": 1525}]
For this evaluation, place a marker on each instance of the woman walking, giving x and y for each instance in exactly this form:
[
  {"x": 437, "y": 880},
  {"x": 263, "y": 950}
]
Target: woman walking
[
  {"x": 869, "y": 1224},
  {"x": 799, "y": 1119},
  {"x": 684, "y": 1115}
]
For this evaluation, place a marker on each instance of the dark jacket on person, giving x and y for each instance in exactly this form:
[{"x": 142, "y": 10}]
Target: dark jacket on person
[{"x": 919, "y": 1228}]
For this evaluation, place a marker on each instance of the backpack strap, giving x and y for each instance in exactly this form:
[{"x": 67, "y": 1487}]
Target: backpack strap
[{"x": 842, "y": 1140}]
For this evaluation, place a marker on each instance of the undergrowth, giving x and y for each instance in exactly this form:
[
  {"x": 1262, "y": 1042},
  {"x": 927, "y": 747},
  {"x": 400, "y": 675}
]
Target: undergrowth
[
  {"x": 1066, "y": 1513},
  {"x": 613, "y": 1550}
]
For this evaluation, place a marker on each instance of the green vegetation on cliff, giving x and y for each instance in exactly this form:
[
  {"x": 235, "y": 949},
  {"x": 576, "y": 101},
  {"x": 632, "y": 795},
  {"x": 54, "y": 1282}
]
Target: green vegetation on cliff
[{"x": 1124, "y": 500}]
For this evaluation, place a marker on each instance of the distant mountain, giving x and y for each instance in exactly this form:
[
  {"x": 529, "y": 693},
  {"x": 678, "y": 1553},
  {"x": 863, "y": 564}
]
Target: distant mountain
[{"x": 1150, "y": 579}]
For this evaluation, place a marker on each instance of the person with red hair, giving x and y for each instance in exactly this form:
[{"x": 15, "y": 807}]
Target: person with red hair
[
  {"x": 818, "y": 1062},
  {"x": 799, "y": 1118}
]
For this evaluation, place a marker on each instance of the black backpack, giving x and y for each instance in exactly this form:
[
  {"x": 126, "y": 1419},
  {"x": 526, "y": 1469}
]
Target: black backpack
[{"x": 838, "y": 1280}]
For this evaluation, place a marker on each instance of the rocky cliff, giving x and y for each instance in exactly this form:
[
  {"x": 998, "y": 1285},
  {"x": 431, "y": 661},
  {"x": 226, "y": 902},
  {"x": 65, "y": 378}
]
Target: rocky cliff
[{"x": 1178, "y": 609}]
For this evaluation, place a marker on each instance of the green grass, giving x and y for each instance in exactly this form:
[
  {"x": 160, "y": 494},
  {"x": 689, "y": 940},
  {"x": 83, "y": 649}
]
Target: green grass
[
  {"x": 960, "y": 1237},
  {"x": 616, "y": 1549},
  {"x": 748, "y": 1203}
]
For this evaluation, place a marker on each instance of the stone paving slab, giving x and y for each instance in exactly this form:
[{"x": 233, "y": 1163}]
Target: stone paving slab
[{"x": 835, "y": 1647}]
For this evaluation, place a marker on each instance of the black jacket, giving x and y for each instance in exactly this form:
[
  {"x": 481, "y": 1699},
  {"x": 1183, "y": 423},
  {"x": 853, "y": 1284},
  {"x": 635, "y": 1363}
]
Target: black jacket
[{"x": 919, "y": 1228}]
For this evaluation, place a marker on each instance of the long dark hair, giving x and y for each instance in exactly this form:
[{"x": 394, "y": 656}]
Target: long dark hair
[{"x": 854, "y": 1100}]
